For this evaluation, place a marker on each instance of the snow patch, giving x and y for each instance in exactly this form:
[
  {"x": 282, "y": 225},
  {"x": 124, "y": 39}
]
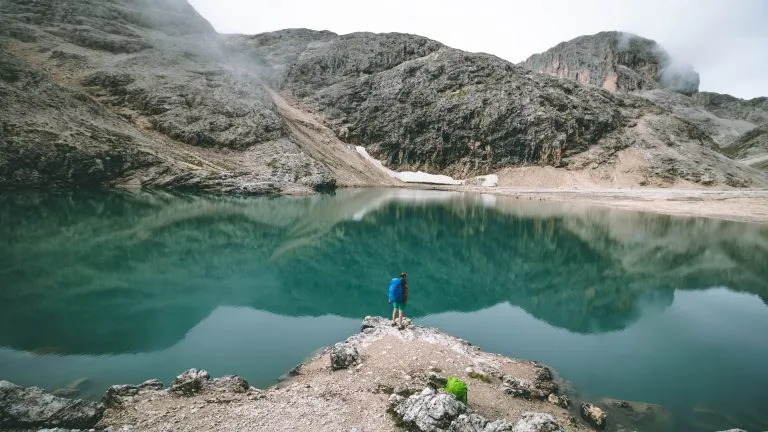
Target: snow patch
[{"x": 409, "y": 176}]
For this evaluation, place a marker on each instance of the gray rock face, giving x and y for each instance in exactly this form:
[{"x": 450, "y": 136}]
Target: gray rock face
[
  {"x": 752, "y": 144},
  {"x": 455, "y": 112},
  {"x": 164, "y": 108},
  {"x": 728, "y": 107},
  {"x": 615, "y": 61},
  {"x": 32, "y": 408},
  {"x": 593, "y": 415},
  {"x": 343, "y": 356},
  {"x": 722, "y": 130}
]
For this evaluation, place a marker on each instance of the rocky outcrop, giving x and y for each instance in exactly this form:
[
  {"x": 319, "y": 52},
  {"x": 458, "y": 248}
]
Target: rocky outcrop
[
  {"x": 615, "y": 61},
  {"x": 22, "y": 408},
  {"x": 150, "y": 101},
  {"x": 190, "y": 382},
  {"x": 729, "y": 107},
  {"x": 722, "y": 130},
  {"x": 751, "y": 147}
]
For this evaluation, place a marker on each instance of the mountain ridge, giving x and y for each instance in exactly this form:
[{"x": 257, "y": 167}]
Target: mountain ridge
[{"x": 281, "y": 112}]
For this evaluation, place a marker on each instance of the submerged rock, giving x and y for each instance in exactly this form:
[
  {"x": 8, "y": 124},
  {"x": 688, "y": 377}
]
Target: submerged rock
[
  {"x": 593, "y": 415},
  {"x": 343, "y": 355},
  {"x": 33, "y": 408}
]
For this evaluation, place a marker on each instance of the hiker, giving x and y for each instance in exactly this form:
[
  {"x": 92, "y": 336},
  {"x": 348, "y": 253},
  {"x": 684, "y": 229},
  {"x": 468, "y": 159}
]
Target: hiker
[{"x": 398, "y": 296}]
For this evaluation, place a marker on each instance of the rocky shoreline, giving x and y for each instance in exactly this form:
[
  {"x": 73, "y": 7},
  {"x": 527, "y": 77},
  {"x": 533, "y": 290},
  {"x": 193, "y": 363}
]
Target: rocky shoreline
[{"x": 381, "y": 379}]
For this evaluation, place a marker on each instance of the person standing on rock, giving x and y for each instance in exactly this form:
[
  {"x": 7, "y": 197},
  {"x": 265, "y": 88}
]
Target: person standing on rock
[{"x": 398, "y": 296}]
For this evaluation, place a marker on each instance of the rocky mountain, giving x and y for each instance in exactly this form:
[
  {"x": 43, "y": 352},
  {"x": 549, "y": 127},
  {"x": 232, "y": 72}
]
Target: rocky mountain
[
  {"x": 623, "y": 62},
  {"x": 155, "y": 98},
  {"x": 728, "y": 107},
  {"x": 751, "y": 148},
  {"x": 615, "y": 61}
]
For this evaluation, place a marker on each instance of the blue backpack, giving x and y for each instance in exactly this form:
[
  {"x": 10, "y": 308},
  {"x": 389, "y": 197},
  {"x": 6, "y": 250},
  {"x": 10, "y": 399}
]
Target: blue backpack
[{"x": 395, "y": 290}]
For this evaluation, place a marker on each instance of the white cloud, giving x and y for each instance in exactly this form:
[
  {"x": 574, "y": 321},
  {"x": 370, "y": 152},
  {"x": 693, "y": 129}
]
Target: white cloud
[{"x": 726, "y": 41}]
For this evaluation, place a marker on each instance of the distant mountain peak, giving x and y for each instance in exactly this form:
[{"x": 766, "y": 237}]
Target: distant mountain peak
[{"x": 616, "y": 61}]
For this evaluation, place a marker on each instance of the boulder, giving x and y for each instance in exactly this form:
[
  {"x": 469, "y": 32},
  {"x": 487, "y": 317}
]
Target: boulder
[
  {"x": 33, "y": 408},
  {"x": 478, "y": 423},
  {"x": 559, "y": 400},
  {"x": 428, "y": 411},
  {"x": 537, "y": 422},
  {"x": 230, "y": 383},
  {"x": 343, "y": 355},
  {"x": 593, "y": 415},
  {"x": 436, "y": 381},
  {"x": 190, "y": 382},
  {"x": 517, "y": 387}
]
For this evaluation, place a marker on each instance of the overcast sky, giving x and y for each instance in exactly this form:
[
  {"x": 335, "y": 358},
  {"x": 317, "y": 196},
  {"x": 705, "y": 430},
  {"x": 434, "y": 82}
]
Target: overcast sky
[{"x": 725, "y": 40}]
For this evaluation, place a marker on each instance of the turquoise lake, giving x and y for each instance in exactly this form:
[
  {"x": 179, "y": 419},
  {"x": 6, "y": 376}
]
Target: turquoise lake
[{"x": 100, "y": 288}]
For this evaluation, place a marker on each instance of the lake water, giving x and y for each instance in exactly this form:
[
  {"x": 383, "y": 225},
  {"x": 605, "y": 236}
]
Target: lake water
[{"x": 105, "y": 288}]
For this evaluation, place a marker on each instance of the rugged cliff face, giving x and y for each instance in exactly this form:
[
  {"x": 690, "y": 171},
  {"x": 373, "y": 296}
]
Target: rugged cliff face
[
  {"x": 280, "y": 112},
  {"x": 615, "y": 61},
  {"x": 157, "y": 70},
  {"x": 729, "y": 107},
  {"x": 751, "y": 148}
]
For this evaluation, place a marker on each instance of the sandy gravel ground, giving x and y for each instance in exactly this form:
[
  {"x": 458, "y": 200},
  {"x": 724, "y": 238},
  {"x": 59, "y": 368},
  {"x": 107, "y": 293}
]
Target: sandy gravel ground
[
  {"x": 319, "y": 399},
  {"x": 743, "y": 205}
]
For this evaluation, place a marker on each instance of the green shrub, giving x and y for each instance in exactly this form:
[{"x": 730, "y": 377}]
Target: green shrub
[{"x": 457, "y": 388}]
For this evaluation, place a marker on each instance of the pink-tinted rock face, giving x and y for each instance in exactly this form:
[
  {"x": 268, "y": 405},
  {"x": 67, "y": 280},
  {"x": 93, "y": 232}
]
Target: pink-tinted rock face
[
  {"x": 616, "y": 62},
  {"x": 610, "y": 80}
]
